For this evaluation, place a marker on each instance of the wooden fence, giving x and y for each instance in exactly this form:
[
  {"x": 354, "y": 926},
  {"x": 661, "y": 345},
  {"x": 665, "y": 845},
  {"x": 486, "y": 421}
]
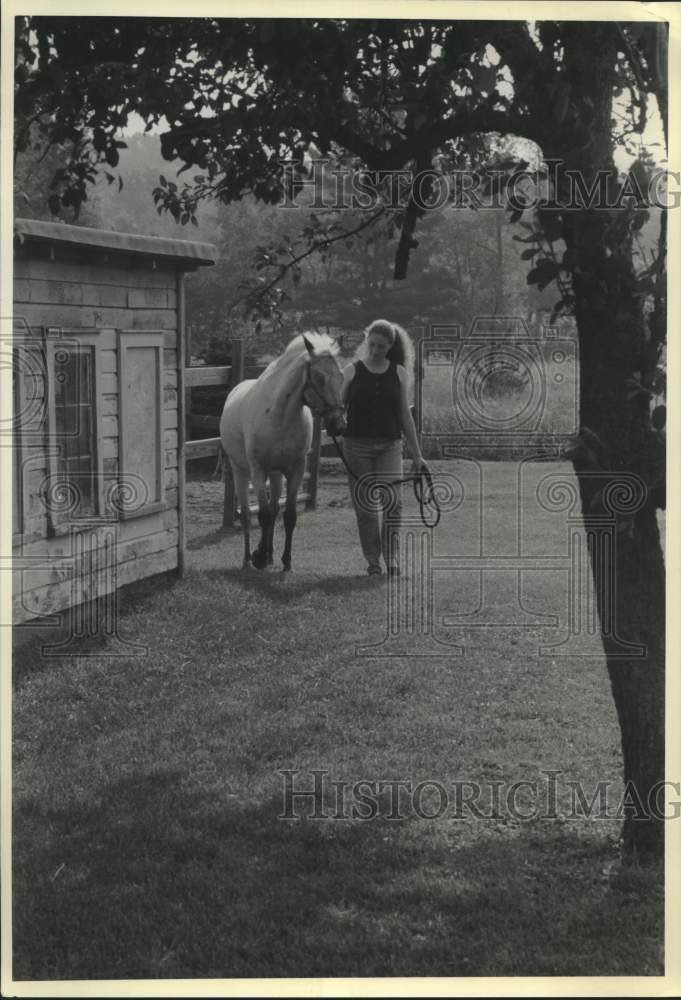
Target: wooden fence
[{"x": 227, "y": 376}]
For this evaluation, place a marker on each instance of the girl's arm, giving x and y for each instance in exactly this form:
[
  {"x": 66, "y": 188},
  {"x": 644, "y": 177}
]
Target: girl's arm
[{"x": 407, "y": 421}]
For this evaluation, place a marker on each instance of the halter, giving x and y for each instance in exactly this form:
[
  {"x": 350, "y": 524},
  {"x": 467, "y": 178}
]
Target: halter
[{"x": 326, "y": 408}]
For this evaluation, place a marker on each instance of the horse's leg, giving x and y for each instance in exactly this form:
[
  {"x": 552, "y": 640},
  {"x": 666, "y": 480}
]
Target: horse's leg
[
  {"x": 293, "y": 482},
  {"x": 259, "y": 556},
  {"x": 275, "y": 493},
  {"x": 241, "y": 478}
]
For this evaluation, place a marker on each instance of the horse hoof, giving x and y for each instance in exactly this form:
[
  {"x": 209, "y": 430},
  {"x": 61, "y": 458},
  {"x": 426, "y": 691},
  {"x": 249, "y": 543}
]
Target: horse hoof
[
  {"x": 286, "y": 569},
  {"x": 259, "y": 560}
]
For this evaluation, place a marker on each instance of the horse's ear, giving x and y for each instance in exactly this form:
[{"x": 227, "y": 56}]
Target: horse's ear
[{"x": 310, "y": 348}]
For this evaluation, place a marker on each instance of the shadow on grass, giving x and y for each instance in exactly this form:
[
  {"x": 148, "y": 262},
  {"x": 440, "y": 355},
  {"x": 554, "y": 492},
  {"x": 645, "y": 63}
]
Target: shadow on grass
[
  {"x": 39, "y": 645},
  {"x": 83, "y": 631},
  {"x": 211, "y": 538},
  {"x": 283, "y": 587},
  {"x": 155, "y": 881}
]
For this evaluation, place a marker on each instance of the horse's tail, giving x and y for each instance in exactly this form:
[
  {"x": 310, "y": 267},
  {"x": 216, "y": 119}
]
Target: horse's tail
[{"x": 221, "y": 465}]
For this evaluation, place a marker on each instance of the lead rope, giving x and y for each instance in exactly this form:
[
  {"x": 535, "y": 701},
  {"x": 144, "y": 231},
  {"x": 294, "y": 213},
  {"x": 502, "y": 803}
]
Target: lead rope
[{"x": 425, "y": 497}]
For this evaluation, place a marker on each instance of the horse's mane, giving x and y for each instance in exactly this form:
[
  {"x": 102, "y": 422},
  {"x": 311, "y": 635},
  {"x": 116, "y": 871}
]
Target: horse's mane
[
  {"x": 321, "y": 342},
  {"x": 296, "y": 352}
]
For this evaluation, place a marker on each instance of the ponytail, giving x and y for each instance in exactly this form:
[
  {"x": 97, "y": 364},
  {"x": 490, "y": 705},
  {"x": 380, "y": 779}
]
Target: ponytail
[{"x": 402, "y": 353}]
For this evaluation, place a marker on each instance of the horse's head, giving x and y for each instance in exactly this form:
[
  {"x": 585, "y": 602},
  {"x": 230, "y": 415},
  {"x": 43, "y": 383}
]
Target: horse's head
[{"x": 323, "y": 385}]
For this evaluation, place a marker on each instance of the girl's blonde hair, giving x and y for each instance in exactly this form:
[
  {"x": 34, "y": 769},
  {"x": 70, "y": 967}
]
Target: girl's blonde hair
[{"x": 401, "y": 347}]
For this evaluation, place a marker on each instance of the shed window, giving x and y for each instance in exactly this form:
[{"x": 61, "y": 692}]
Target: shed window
[
  {"x": 74, "y": 410},
  {"x": 74, "y": 444}
]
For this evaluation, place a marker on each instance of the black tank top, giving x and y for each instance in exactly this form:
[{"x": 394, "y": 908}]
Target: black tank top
[{"x": 374, "y": 403}]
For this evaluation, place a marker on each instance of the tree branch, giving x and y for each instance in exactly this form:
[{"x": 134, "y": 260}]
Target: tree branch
[
  {"x": 320, "y": 245},
  {"x": 412, "y": 214},
  {"x": 636, "y": 69},
  {"x": 464, "y": 122}
]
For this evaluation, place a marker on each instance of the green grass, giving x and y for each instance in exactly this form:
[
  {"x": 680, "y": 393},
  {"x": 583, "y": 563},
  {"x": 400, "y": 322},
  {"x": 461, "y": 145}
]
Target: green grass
[{"x": 147, "y": 837}]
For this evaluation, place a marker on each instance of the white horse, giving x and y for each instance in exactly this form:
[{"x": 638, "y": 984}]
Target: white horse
[{"x": 266, "y": 432}]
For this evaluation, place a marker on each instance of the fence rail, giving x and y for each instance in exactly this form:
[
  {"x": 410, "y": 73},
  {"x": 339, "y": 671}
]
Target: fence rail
[
  {"x": 203, "y": 448},
  {"x": 209, "y": 376}
]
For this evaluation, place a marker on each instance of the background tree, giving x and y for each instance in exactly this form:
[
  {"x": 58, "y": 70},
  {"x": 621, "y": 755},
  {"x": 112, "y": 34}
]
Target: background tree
[
  {"x": 464, "y": 260},
  {"x": 233, "y": 99}
]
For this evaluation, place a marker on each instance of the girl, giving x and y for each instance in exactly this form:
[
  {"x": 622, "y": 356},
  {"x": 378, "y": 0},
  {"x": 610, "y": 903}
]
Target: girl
[{"x": 376, "y": 390}]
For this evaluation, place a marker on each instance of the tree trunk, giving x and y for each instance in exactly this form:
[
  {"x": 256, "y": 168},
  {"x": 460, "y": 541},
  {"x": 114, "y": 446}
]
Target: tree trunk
[
  {"x": 617, "y": 457},
  {"x": 618, "y": 471}
]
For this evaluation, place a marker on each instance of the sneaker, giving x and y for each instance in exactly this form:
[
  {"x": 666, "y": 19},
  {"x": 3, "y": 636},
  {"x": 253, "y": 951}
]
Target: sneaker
[{"x": 373, "y": 569}]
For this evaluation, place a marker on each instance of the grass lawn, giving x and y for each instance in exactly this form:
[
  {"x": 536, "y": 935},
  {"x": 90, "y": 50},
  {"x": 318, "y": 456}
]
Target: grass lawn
[{"x": 147, "y": 789}]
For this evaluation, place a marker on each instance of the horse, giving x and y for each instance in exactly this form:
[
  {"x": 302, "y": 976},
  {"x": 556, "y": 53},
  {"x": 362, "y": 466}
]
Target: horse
[{"x": 266, "y": 432}]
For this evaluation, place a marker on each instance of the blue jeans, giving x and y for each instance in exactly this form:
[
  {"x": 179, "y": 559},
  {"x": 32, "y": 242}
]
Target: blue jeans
[{"x": 376, "y": 463}]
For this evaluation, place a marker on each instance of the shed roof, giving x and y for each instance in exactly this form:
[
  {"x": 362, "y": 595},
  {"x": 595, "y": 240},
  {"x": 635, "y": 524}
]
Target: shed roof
[{"x": 187, "y": 252}]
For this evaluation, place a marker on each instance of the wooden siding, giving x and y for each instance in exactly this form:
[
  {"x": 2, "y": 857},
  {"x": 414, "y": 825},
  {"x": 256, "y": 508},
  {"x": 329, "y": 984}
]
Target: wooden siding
[
  {"x": 75, "y": 292},
  {"x": 141, "y": 424}
]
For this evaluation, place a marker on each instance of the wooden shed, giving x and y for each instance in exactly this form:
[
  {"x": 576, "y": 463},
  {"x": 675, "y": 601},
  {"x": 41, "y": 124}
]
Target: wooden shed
[{"x": 98, "y": 357}]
